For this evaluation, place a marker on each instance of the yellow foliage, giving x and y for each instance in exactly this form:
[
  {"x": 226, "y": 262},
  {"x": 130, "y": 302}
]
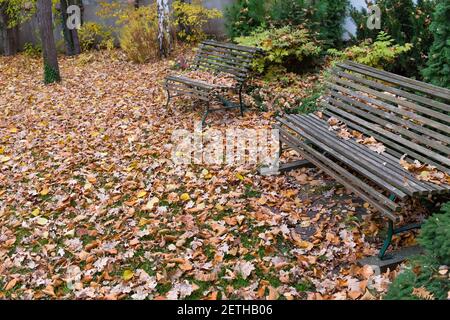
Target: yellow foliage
[
  {"x": 138, "y": 36},
  {"x": 94, "y": 36},
  {"x": 191, "y": 18}
]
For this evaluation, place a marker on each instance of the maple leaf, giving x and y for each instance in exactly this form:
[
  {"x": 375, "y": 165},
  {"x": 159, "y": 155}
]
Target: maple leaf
[
  {"x": 423, "y": 293},
  {"x": 244, "y": 268}
]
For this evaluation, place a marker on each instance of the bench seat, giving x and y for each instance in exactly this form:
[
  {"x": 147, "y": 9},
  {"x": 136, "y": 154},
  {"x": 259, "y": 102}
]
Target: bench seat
[
  {"x": 410, "y": 118},
  {"x": 215, "y": 58}
]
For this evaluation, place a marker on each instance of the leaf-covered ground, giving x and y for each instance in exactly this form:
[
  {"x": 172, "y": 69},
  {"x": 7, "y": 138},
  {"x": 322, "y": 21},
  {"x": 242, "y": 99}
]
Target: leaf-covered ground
[{"x": 92, "y": 207}]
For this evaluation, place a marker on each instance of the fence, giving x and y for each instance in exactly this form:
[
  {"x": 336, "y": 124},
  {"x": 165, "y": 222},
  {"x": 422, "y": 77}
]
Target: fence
[{"x": 29, "y": 30}]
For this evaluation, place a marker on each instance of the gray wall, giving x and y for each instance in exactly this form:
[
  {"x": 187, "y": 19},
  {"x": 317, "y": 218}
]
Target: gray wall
[{"x": 29, "y": 31}]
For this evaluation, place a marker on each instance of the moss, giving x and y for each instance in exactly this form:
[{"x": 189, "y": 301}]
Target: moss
[{"x": 50, "y": 74}]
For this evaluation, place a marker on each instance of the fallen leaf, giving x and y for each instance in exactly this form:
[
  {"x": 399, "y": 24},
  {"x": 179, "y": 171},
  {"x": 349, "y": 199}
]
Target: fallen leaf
[{"x": 127, "y": 275}]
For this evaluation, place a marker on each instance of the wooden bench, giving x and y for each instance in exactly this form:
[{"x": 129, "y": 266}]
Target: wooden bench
[
  {"x": 409, "y": 117},
  {"x": 215, "y": 57}
]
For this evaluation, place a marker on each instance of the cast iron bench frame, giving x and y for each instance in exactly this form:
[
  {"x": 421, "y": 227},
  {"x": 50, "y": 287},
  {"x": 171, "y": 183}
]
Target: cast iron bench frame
[
  {"x": 214, "y": 57},
  {"x": 408, "y": 116}
]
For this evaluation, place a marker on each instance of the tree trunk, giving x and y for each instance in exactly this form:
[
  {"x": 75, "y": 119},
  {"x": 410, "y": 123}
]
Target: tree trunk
[
  {"x": 10, "y": 35},
  {"x": 51, "y": 68},
  {"x": 164, "y": 39},
  {"x": 71, "y": 41}
]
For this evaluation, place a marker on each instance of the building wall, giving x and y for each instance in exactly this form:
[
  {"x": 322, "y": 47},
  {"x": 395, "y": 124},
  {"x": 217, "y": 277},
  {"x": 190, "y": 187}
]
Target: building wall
[{"x": 29, "y": 31}]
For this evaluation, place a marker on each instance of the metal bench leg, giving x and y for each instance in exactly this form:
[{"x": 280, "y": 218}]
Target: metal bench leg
[
  {"x": 168, "y": 95},
  {"x": 168, "y": 99},
  {"x": 391, "y": 232},
  {"x": 241, "y": 102},
  {"x": 387, "y": 241},
  {"x": 205, "y": 114}
]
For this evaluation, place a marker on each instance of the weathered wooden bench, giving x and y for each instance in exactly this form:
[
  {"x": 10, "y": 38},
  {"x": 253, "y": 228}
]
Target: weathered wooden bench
[
  {"x": 409, "y": 117},
  {"x": 215, "y": 57}
]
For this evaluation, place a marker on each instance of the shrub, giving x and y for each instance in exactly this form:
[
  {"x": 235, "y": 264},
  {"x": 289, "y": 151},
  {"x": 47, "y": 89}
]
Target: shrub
[
  {"x": 244, "y": 16},
  {"x": 94, "y": 36},
  {"x": 310, "y": 102},
  {"x": 421, "y": 278},
  {"x": 438, "y": 65},
  {"x": 407, "y": 21},
  {"x": 435, "y": 235},
  {"x": 324, "y": 18},
  {"x": 191, "y": 18},
  {"x": 138, "y": 37},
  {"x": 286, "y": 47},
  {"x": 378, "y": 54},
  {"x": 31, "y": 50}
]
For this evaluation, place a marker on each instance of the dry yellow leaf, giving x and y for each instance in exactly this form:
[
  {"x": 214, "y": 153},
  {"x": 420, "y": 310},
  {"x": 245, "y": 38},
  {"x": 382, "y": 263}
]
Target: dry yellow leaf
[
  {"x": 42, "y": 221},
  {"x": 142, "y": 194},
  {"x": 127, "y": 275},
  {"x": 5, "y": 159},
  {"x": 185, "y": 197},
  {"x": 151, "y": 203},
  {"x": 36, "y": 212}
]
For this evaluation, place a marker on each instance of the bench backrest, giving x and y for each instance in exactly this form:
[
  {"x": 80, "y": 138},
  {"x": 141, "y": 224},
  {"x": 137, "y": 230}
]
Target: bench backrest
[
  {"x": 225, "y": 57},
  {"x": 407, "y": 116}
]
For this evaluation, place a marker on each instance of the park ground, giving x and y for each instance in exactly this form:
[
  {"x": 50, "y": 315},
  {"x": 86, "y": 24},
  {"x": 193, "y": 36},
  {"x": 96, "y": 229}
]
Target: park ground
[{"x": 92, "y": 207}]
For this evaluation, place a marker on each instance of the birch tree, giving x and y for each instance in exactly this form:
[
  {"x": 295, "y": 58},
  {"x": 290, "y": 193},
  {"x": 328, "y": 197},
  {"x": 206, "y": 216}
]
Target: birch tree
[{"x": 164, "y": 40}]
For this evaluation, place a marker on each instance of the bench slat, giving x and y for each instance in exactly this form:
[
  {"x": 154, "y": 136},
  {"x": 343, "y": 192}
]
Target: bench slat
[
  {"x": 362, "y": 156},
  {"x": 347, "y": 159},
  {"x": 375, "y": 162},
  {"x": 445, "y": 91},
  {"x": 391, "y": 162},
  {"x": 392, "y": 115},
  {"x": 432, "y": 113},
  {"x": 374, "y": 84},
  {"x": 372, "y": 116},
  {"x": 389, "y": 78},
  {"x": 231, "y": 46},
  {"x": 395, "y": 148},
  {"x": 343, "y": 176},
  {"x": 392, "y": 136}
]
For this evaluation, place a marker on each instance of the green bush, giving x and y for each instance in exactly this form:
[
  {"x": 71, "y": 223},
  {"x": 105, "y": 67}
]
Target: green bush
[
  {"x": 244, "y": 16},
  {"x": 324, "y": 18},
  {"x": 407, "y": 21},
  {"x": 379, "y": 54},
  {"x": 287, "y": 47},
  {"x": 435, "y": 236},
  {"x": 438, "y": 65},
  {"x": 421, "y": 277},
  {"x": 310, "y": 102}
]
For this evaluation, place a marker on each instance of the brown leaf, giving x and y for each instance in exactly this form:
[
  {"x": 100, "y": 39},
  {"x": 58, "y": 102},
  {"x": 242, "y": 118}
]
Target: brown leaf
[{"x": 11, "y": 284}]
